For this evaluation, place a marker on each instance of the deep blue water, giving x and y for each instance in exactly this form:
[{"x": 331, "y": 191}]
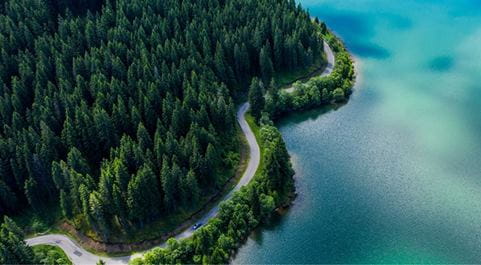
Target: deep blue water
[{"x": 395, "y": 175}]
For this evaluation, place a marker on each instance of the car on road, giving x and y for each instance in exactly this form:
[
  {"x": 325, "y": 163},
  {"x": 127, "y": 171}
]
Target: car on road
[{"x": 196, "y": 226}]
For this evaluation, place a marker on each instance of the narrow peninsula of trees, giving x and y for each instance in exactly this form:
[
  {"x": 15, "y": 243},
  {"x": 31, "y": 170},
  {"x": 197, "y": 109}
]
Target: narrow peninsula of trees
[
  {"x": 317, "y": 91},
  {"x": 121, "y": 113}
]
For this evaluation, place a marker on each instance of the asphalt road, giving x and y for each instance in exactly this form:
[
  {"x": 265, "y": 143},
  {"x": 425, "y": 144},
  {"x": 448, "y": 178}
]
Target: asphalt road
[
  {"x": 76, "y": 253},
  {"x": 80, "y": 256}
]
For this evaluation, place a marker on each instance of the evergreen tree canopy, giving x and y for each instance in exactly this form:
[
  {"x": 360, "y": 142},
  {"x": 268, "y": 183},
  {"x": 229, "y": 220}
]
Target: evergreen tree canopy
[
  {"x": 256, "y": 98},
  {"x": 121, "y": 112}
]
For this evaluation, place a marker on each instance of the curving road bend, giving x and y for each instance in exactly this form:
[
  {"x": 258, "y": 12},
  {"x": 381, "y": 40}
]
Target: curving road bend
[
  {"x": 331, "y": 59},
  {"x": 79, "y": 256}
]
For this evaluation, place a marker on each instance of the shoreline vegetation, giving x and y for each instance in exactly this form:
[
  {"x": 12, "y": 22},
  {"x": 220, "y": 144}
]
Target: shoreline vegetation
[
  {"x": 318, "y": 91},
  {"x": 272, "y": 188}
]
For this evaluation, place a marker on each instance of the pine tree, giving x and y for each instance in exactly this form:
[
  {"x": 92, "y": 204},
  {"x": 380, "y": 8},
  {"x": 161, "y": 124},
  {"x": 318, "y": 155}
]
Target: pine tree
[
  {"x": 105, "y": 130},
  {"x": 272, "y": 100},
  {"x": 256, "y": 98},
  {"x": 189, "y": 188},
  {"x": 219, "y": 59},
  {"x": 13, "y": 249},
  {"x": 65, "y": 204},
  {"x": 143, "y": 196},
  {"x": 31, "y": 192},
  {"x": 267, "y": 69},
  {"x": 97, "y": 212},
  {"x": 77, "y": 162},
  {"x": 143, "y": 137},
  {"x": 169, "y": 185},
  {"x": 278, "y": 49},
  {"x": 239, "y": 73},
  {"x": 8, "y": 199}
]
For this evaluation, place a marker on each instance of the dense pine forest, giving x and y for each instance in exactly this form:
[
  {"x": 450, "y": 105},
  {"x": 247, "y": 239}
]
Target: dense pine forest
[{"x": 122, "y": 112}]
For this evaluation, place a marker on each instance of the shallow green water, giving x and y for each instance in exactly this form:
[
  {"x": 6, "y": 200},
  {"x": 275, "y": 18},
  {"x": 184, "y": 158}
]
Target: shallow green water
[{"x": 395, "y": 175}]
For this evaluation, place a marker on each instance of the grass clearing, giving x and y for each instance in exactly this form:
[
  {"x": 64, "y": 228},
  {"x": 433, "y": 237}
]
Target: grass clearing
[{"x": 286, "y": 78}]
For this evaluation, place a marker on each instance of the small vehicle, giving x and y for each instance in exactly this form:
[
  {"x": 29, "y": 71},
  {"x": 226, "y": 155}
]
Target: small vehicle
[{"x": 196, "y": 226}]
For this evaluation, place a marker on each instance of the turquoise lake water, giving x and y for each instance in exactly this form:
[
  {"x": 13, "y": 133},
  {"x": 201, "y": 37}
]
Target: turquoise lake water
[{"x": 395, "y": 175}]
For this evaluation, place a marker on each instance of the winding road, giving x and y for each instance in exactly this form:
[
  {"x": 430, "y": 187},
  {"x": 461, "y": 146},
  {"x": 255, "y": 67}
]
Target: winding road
[
  {"x": 79, "y": 256},
  {"x": 331, "y": 59}
]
